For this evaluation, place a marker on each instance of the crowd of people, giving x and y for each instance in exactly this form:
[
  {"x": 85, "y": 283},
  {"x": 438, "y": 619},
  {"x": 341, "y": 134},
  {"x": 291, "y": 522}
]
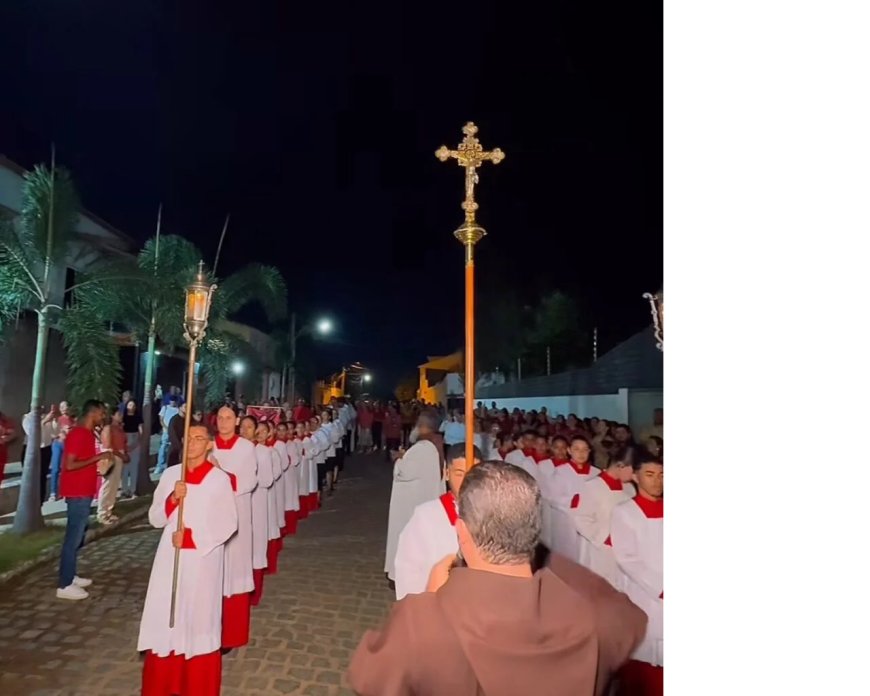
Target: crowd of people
[
  {"x": 245, "y": 488},
  {"x": 595, "y": 472}
]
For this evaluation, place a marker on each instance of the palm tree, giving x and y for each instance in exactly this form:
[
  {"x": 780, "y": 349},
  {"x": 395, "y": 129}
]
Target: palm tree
[{"x": 32, "y": 269}]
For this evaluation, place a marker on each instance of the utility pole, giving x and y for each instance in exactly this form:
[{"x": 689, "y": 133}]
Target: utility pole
[
  {"x": 292, "y": 359},
  {"x": 548, "y": 361},
  {"x": 595, "y": 344}
]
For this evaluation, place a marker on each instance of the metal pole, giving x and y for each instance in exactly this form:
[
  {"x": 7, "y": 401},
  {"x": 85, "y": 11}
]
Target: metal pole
[
  {"x": 519, "y": 369},
  {"x": 469, "y": 354},
  {"x": 548, "y": 361},
  {"x": 292, "y": 359},
  {"x": 595, "y": 344},
  {"x": 191, "y": 361}
]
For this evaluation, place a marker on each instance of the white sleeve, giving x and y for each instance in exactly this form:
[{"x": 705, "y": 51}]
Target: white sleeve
[
  {"x": 246, "y": 479},
  {"x": 222, "y": 519},
  {"x": 628, "y": 554},
  {"x": 410, "y": 467},
  {"x": 265, "y": 478},
  {"x": 412, "y": 575},
  {"x": 165, "y": 487},
  {"x": 586, "y": 515}
]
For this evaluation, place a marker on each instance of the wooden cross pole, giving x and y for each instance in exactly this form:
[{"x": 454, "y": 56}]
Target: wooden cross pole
[{"x": 470, "y": 155}]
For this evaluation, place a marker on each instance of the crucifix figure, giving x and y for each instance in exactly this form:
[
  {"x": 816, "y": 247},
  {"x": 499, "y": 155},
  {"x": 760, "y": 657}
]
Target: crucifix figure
[{"x": 470, "y": 154}]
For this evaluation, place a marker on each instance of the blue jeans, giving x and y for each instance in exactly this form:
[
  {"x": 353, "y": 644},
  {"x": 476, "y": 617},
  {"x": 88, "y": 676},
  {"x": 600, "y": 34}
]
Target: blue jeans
[
  {"x": 56, "y": 455},
  {"x": 77, "y": 512},
  {"x": 163, "y": 453}
]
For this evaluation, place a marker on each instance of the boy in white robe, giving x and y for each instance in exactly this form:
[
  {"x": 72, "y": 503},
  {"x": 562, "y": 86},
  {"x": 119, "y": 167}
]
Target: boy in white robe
[
  {"x": 521, "y": 455},
  {"x": 592, "y": 511},
  {"x": 291, "y": 479},
  {"x": 280, "y": 455},
  {"x": 301, "y": 437},
  {"x": 417, "y": 479},
  {"x": 187, "y": 658},
  {"x": 259, "y": 505},
  {"x": 430, "y": 534},
  {"x": 274, "y": 533},
  {"x": 311, "y": 450},
  {"x": 236, "y": 457},
  {"x": 637, "y": 528},
  {"x": 287, "y": 478},
  {"x": 570, "y": 475}
]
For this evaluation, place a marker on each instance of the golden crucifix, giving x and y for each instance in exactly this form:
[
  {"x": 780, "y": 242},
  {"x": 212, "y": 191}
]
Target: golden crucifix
[{"x": 470, "y": 155}]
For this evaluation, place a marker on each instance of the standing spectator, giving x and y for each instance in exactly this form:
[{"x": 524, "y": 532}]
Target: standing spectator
[
  {"x": 407, "y": 412},
  {"x": 392, "y": 429},
  {"x": 46, "y": 437},
  {"x": 302, "y": 412},
  {"x": 365, "y": 418},
  {"x": 453, "y": 429},
  {"x": 167, "y": 412},
  {"x": 78, "y": 480},
  {"x": 7, "y": 435},
  {"x": 132, "y": 421},
  {"x": 379, "y": 415},
  {"x": 64, "y": 423},
  {"x": 114, "y": 440}
]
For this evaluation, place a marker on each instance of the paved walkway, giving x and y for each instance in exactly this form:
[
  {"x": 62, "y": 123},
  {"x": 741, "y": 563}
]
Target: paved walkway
[{"x": 330, "y": 587}]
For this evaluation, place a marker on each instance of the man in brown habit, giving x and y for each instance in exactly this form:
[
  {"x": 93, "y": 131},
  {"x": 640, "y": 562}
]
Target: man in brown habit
[{"x": 496, "y": 627}]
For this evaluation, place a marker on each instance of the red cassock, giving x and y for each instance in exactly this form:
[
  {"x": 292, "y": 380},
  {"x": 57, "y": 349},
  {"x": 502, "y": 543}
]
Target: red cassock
[{"x": 175, "y": 676}]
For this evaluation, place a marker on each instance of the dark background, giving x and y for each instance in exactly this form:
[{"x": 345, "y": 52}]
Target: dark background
[{"x": 315, "y": 125}]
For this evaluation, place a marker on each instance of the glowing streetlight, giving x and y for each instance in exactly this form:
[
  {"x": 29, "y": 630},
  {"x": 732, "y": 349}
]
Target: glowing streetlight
[
  {"x": 237, "y": 368},
  {"x": 324, "y": 326},
  {"x": 367, "y": 378}
]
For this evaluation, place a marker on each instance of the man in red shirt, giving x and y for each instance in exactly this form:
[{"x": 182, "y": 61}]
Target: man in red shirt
[{"x": 78, "y": 482}]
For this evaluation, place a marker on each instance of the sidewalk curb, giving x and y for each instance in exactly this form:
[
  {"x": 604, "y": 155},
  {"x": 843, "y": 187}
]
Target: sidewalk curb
[{"x": 52, "y": 554}]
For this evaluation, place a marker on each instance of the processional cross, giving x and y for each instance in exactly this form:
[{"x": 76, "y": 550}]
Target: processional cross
[{"x": 470, "y": 155}]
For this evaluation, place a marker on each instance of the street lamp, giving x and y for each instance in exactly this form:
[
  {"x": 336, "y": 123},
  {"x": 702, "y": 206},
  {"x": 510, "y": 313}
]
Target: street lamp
[
  {"x": 237, "y": 368},
  {"x": 197, "y": 304},
  {"x": 657, "y": 309},
  {"x": 367, "y": 378},
  {"x": 322, "y": 326}
]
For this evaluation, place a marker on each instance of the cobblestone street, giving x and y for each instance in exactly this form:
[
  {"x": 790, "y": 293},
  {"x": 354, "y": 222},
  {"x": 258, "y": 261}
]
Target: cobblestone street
[{"x": 330, "y": 587}]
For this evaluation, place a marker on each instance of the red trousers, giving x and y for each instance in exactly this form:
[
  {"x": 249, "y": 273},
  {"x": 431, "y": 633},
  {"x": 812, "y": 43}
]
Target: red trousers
[
  {"x": 236, "y": 621},
  {"x": 257, "y": 594},
  {"x": 175, "y": 676},
  {"x": 272, "y": 549},
  {"x": 290, "y": 521},
  {"x": 640, "y": 679}
]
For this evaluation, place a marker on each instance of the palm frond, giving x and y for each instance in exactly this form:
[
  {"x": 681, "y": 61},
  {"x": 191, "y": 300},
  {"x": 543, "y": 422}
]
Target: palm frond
[
  {"x": 256, "y": 283},
  {"x": 92, "y": 357},
  {"x": 49, "y": 211},
  {"x": 116, "y": 291},
  {"x": 219, "y": 351},
  {"x": 19, "y": 290}
]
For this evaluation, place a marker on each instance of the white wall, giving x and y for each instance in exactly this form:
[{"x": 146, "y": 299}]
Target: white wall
[
  {"x": 641, "y": 404},
  {"x": 609, "y": 406}
]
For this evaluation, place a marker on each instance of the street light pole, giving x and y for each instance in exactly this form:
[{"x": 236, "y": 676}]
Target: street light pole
[{"x": 292, "y": 359}]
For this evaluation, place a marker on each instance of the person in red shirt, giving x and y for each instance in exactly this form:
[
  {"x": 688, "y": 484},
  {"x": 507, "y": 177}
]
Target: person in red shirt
[
  {"x": 302, "y": 412},
  {"x": 78, "y": 482}
]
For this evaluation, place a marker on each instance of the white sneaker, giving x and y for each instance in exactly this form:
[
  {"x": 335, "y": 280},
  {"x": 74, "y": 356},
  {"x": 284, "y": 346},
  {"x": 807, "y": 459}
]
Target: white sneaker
[
  {"x": 52, "y": 498},
  {"x": 73, "y": 592},
  {"x": 82, "y": 582}
]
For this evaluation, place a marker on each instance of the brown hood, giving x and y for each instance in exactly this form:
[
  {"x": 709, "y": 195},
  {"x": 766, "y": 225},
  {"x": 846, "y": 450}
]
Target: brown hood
[{"x": 522, "y": 635}]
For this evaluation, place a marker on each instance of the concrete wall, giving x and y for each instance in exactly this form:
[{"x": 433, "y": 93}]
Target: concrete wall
[{"x": 16, "y": 373}]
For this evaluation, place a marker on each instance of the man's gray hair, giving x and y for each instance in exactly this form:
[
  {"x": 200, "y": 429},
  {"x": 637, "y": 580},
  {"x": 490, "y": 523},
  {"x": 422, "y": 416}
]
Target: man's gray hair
[
  {"x": 429, "y": 419},
  {"x": 501, "y": 506}
]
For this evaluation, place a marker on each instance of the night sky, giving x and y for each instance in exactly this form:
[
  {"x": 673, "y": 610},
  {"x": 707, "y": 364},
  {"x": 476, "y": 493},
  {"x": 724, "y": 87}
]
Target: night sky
[{"x": 315, "y": 124}]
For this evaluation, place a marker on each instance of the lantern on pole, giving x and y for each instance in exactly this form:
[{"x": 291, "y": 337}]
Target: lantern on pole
[
  {"x": 197, "y": 304},
  {"x": 657, "y": 309}
]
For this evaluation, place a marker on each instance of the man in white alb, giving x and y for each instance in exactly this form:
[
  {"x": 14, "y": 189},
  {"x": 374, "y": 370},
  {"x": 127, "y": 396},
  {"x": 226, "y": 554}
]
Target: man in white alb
[
  {"x": 637, "y": 531},
  {"x": 417, "y": 479},
  {"x": 188, "y": 654},
  {"x": 236, "y": 456},
  {"x": 259, "y": 505},
  {"x": 430, "y": 535}
]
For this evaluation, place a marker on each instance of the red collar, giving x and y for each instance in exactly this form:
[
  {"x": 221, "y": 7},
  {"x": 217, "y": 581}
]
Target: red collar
[
  {"x": 540, "y": 457},
  {"x": 222, "y": 444},
  {"x": 504, "y": 452},
  {"x": 270, "y": 443},
  {"x": 529, "y": 452},
  {"x": 582, "y": 469},
  {"x": 612, "y": 483},
  {"x": 654, "y": 510},
  {"x": 560, "y": 462},
  {"x": 199, "y": 473},
  {"x": 449, "y": 503}
]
